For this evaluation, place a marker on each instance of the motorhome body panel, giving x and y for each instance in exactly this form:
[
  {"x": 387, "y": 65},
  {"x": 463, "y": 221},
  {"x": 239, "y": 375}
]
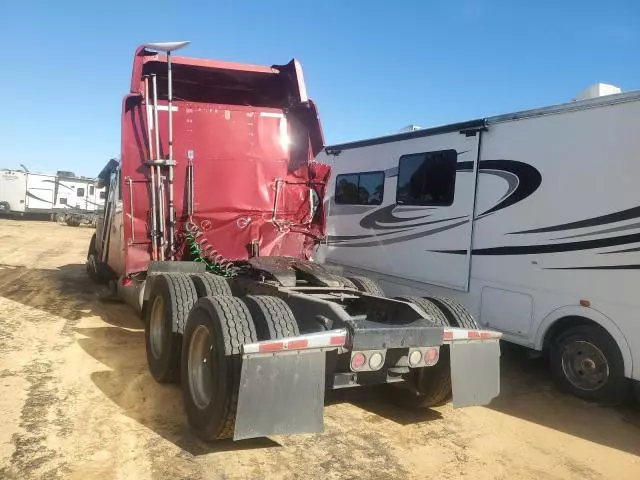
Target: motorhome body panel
[
  {"x": 40, "y": 193},
  {"x": 556, "y": 223},
  {"x": 13, "y": 188}
]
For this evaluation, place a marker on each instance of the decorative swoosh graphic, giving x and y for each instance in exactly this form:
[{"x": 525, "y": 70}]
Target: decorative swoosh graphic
[
  {"x": 553, "y": 248},
  {"x": 620, "y": 216},
  {"x": 522, "y": 181},
  {"x": 29, "y": 194}
]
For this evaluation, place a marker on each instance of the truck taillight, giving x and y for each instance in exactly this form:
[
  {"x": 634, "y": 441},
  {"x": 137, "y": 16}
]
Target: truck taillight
[
  {"x": 423, "y": 357},
  {"x": 367, "y": 361}
]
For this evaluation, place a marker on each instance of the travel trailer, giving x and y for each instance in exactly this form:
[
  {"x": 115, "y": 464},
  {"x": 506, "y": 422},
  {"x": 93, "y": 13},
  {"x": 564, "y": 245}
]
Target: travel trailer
[
  {"x": 530, "y": 219},
  {"x": 60, "y": 195}
]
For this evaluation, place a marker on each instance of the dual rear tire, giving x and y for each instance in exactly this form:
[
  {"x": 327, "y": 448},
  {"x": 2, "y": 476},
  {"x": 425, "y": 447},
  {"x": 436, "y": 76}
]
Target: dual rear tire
[
  {"x": 195, "y": 330},
  {"x": 431, "y": 386}
]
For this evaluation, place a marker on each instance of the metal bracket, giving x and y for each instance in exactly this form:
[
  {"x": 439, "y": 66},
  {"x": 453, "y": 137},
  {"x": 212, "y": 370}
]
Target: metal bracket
[{"x": 160, "y": 163}]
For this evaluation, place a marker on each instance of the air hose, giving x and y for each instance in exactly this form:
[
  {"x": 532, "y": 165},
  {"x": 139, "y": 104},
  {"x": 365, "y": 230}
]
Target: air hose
[{"x": 202, "y": 251}]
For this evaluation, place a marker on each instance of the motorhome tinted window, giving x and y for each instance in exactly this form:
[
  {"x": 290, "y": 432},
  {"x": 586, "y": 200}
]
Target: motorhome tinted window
[
  {"x": 91, "y": 190},
  {"x": 360, "y": 188},
  {"x": 80, "y": 192},
  {"x": 103, "y": 195},
  {"x": 63, "y": 201},
  {"x": 427, "y": 178}
]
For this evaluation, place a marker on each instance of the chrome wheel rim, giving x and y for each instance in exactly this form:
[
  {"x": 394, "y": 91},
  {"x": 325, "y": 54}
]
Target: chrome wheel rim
[
  {"x": 200, "y": 367},
  {"x": 584, "y": 365},
  {"x": 156, "y": 327}
]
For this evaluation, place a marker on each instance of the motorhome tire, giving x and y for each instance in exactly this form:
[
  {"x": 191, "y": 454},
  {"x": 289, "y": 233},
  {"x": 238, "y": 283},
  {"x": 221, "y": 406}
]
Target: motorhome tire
[
  {"x": 272, "y": 317},
  {"x": 169, "y": 303},
  {"x": 367, "y": 285},
  {"x": 5, "y": 207},
  {"x": 430, "y": 386},
  {"x": 61, "y": 218},
  {"x": 208, "y": 284},
  {"x": 586, "y": 362},
  {"x": 457, "y": 314},
  {"x": 211, "y": 364}
]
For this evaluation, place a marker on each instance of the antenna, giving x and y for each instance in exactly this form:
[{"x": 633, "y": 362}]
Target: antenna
[{"x": 24, "y": 168}]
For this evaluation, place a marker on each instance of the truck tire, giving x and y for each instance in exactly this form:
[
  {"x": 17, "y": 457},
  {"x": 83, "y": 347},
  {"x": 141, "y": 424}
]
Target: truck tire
[
  {"x": 208, "y": 284},
  {"x": 457, "y": 315},
  {"x": 431, "y": 385},
  {"x": 430, "y": 308},
  {"x": 586, "y": 362},
  {"x": 272, "y": 317},
  {"x": 211, "y": 364},
  {"x": 170, "y": 301},
  {"x": 367, "y": 285},
  {"x": 97, "y": 271},
  {"x": 346, "y": 282}
]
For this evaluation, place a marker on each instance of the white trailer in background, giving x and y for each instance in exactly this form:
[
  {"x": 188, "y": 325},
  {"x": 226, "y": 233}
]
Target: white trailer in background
[
  {"x": 530, "y": 219},
  {"x": 64, "y": 196}
]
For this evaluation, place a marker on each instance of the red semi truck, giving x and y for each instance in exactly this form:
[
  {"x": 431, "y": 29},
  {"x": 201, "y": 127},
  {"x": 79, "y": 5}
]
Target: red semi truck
[{"x": 213, "y": 212}]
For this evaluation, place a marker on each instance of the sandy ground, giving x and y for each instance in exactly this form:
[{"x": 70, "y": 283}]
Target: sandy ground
[{"x": 76, "y": 401}]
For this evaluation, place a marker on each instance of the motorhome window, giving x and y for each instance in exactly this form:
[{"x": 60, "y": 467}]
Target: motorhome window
[
  {"x": 427, "y": 179},
  {"x": 91, "y": 190},
  {"x": 63, "y": 201},
  {"x": 80, "y": 192},
  {"x": 103, "y": 195},
  {"x": 365, "y": 188}
]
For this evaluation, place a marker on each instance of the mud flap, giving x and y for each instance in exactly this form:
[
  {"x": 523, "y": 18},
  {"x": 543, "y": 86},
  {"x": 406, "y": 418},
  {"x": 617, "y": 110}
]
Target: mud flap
[
  {"x": 281, "y": 394},
  {"x": 475, "y": 372}
]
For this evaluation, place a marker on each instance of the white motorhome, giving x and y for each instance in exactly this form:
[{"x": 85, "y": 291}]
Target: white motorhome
[
  {"x": 62, "y": 194},
  {"x": 78, "y": 194},
  {"x": 24, "y": 192},
  {"x": 530, "y": 219}
]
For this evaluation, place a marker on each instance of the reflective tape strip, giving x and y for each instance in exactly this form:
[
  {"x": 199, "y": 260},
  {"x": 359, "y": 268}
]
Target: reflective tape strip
[
  {"x": 330, "y": 339},
  {"x": 463, "y": 334}
]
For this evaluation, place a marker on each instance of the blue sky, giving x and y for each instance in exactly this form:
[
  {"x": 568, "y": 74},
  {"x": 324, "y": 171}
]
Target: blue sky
[{"x": 372, "y": 66}]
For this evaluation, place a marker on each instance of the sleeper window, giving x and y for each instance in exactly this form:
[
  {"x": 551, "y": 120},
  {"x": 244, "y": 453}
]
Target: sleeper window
[
  {"x": 360, "y": 188},
  {"x": 427, "y": 178}
]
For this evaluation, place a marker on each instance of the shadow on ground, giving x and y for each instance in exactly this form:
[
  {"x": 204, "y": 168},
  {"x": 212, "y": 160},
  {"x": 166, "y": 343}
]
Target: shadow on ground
[{"x": 527, "y": 391}]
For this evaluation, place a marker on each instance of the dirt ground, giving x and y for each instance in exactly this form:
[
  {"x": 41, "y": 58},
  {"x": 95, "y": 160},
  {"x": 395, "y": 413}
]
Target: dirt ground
[{"x": 77, "y": 401}]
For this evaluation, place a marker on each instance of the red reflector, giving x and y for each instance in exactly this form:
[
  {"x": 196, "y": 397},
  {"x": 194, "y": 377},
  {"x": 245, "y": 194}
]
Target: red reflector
[
  {"x": 431, "y": 356},
  {"x": 339, "y": 340},
  {"x": 127, "y": 282},
  {"x": 270, "y": 347},
  {"x": 447, "y": 335},
  {"x": 485, "y": 335},
  {"x": 297, "y": 344},
  {"x": 474, "y": 334},
  {"x": 358, "y": 360}
]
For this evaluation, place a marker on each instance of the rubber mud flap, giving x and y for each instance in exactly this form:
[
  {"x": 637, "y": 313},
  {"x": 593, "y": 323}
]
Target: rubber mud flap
[
  {"x": 281, "y": 394},
  {"x": 475, "y": 372}
]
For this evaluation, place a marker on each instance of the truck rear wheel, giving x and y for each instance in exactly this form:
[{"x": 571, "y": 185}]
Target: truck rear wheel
[
  {"x": 586, "y": 362},
  {"x": 455, "y": 312},
  {"x": 170, "y": 301},
  {"x": 367, "y": 285},
  {"x": 211, "y": 364},
  {"x": 429, "y": 386},
  {"x": 208, "y": 284},
  {"x": 272, "y": 317}
]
